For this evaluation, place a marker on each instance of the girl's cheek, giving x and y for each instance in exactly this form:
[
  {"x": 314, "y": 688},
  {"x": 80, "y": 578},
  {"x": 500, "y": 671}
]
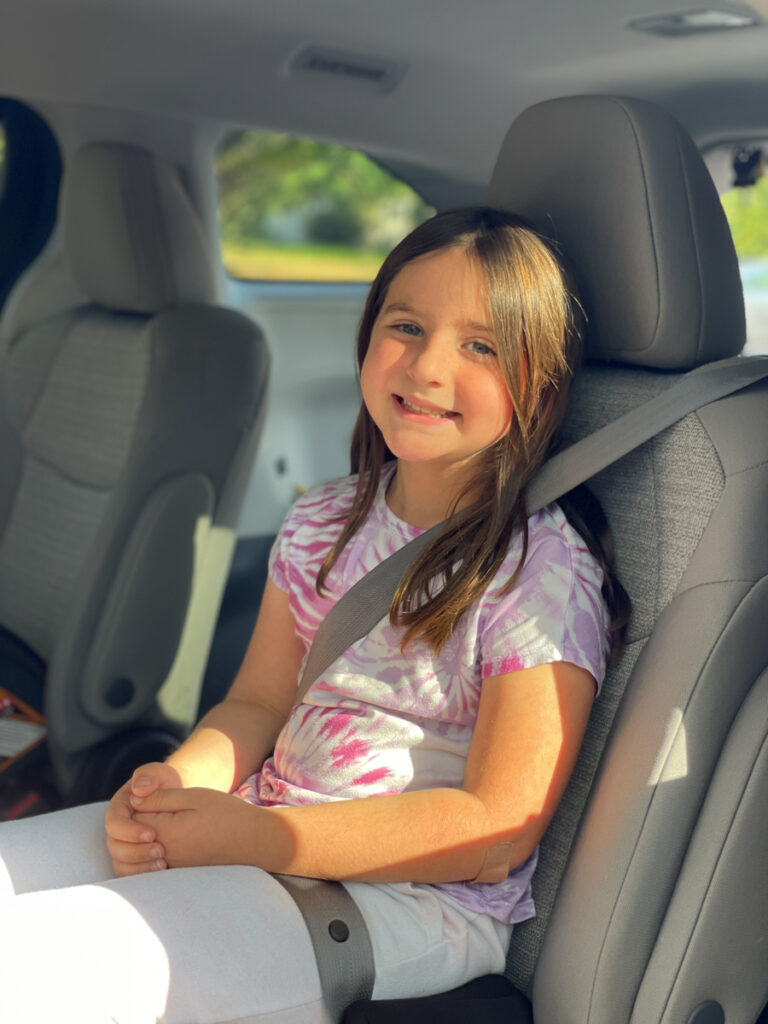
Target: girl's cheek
[
  {"x": 368, "y": 377},
  {"x": 381, "y": 359},
  {"x": 506, "y": 414}
]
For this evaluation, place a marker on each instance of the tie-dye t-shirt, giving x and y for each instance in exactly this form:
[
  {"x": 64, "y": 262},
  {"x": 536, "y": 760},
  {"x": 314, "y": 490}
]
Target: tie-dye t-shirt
[{"x": 378, "y": 721}]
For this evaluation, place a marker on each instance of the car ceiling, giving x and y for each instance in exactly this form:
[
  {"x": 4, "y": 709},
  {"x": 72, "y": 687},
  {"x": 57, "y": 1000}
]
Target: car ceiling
[{"x": 468, "y": 66}]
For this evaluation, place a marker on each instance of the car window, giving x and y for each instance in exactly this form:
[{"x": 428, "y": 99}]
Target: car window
[
  {"x": 293, "y": 209},
  {"x": 746, "y": 206},
  {"x": 30, "y": 172},
  {"x": 2, "y": 161}
]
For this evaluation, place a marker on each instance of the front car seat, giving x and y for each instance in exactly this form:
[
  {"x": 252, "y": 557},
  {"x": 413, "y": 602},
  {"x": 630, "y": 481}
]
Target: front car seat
[
  {"x": 656, "y": 912},
  {"x": 127, "y": 428}
]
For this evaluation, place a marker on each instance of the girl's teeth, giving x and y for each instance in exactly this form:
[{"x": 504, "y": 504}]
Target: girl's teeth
[{"x": 424, "y": 412}]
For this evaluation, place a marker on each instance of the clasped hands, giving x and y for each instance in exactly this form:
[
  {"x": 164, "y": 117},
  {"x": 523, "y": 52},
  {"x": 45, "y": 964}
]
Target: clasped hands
[{"x": 154, "y": 822}]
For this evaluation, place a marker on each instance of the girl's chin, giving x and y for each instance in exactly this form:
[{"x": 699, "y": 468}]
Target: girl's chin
[
  {"x": 415, "y": 453},
  {"x": 429, "y": 459}
]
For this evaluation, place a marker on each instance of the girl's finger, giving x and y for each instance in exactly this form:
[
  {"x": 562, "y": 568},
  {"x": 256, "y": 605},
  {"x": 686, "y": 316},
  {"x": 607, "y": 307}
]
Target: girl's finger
[
  {"x": 161, "y": 800},
  {"x": 146, "y": 779},
  {"x": 125, "y": 829},
  {"x": 134, "y": 852},
  {"x": 124, "y": 868}
]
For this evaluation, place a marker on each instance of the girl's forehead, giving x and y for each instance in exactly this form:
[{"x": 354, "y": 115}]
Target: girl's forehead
[{"x": 452, "y": 274}]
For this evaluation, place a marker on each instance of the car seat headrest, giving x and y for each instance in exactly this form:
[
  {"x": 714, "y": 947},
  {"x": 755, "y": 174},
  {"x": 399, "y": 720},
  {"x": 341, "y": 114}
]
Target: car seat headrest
[
  {"x": 622, "y": 187},
  {"x": 133, "y": 238}
]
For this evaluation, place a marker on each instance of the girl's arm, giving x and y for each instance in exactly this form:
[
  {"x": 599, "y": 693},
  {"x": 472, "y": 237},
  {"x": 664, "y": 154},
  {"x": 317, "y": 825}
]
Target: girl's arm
[
  {"x": 228, "y": 744},
  {"x": 528, "y": 733},
  {"x": 234, "y": 738}
]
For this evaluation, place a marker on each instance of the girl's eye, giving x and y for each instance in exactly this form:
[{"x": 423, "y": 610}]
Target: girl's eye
[
  {"x": 410, "y": 329},
  {"x": 479, "y": 348}
]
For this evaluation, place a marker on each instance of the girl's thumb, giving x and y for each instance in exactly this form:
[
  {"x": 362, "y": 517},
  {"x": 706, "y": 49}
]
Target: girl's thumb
[{"x": 143, "y": 783}]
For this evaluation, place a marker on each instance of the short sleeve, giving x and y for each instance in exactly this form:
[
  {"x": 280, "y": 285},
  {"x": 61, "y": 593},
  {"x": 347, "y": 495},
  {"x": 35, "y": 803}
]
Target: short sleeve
[
  {"x": 276, "y": 567},
  {"x": 311, "y": 526},
  {"x": 555, "y": 611},
  {"x": 279, "y": 555}
]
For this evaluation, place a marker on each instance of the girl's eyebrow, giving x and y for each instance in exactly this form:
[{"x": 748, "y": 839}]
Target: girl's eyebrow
[
  {"x": 403, "y": 307},
  {"x": 474, "y": 325},
  {"x": 398, "y": 307}
]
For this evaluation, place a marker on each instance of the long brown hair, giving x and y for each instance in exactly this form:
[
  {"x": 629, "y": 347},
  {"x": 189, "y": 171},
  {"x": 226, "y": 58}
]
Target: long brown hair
[{"x": 537, "y": 321}]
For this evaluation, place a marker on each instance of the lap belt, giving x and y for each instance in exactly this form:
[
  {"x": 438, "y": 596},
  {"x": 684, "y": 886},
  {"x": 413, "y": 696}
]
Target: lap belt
[
  {"x": 340, "y": 939},
  {"x": 327, "y": 905}
]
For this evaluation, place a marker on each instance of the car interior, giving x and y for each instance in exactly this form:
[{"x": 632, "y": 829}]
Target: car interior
[{"x": 162, "y": 403}]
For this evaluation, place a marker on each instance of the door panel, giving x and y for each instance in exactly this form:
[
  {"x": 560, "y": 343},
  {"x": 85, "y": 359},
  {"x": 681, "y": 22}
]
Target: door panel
[{"x": 314, "y": 396}]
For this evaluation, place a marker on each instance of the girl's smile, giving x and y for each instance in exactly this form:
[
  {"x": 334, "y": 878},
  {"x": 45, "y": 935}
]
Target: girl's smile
[
  {"x": 418, "y": 409},
  {"x": 431, "y": 377}
]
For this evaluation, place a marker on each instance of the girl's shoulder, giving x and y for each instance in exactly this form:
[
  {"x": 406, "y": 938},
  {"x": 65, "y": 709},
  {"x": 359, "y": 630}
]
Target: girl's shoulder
[
  {"x": 554, "y": 611},
  {"x": 550, "y": 531},
  {"x": 310, "y": 529},
  {"x": 322, "y": 503},
  {"x": 555, "y": 551}
]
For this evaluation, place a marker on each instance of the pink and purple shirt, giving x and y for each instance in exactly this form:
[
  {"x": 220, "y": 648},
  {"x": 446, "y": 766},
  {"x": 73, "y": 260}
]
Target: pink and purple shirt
[{"x": 379, "y": 721}]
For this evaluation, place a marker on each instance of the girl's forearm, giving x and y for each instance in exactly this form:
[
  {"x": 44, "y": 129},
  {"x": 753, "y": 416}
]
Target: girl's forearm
[
  {"x": 438, "y": 835},
  {"x": 230, "y": 743}
]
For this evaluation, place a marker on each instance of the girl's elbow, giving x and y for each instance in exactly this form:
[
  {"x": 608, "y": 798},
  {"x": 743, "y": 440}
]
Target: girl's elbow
[{"x": 504, "y": 855}]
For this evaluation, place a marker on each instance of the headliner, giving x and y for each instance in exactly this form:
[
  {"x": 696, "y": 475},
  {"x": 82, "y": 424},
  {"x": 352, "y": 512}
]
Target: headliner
[{"x": 470, "y": 67}]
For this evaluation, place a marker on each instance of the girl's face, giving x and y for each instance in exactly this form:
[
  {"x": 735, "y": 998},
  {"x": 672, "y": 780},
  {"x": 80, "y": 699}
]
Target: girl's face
[{"x": 431, "y": 378}]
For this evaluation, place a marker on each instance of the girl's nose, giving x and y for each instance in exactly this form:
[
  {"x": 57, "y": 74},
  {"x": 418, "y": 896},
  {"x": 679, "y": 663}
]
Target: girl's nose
[{"x": 429, "y": 362}]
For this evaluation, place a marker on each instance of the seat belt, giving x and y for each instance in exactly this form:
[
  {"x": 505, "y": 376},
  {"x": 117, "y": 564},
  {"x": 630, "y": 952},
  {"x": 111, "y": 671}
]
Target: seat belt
[
  {"x": 340, "y": 941},
  {"x": 364, "y": 605}
]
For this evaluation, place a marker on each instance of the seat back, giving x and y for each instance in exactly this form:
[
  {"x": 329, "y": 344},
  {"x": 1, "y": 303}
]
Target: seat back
[
  {"x": 128, "y": 425},
  {"x": 651, "y": 892}
]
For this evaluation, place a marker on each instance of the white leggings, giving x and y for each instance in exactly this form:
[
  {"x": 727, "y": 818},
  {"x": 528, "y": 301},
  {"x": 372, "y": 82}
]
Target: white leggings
[{"x": 214, "y": 945}]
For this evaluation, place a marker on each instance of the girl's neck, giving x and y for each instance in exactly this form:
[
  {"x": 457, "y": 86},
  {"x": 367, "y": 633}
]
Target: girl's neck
[{"x": 422, "y": 496}]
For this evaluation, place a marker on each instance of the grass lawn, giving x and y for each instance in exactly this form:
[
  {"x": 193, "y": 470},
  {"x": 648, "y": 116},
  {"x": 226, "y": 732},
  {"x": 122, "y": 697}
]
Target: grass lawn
[{"x": 268, "y": 262}]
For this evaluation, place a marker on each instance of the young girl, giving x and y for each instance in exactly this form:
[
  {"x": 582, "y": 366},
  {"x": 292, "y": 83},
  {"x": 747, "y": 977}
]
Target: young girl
[{"x": 460, "y": 716}]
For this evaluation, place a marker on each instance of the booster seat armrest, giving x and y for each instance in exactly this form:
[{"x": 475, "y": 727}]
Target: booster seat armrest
[{"x": 138, "y": 631}]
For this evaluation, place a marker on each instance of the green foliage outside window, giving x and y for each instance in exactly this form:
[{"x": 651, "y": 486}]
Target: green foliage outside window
[
  {"x": 296, "y": 209},
  {"x": 747, "y": 212}
]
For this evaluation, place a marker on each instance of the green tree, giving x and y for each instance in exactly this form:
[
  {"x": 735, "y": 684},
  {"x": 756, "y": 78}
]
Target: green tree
[
  {"x": 747, "y": 213},
  {"x": 263, "y": 175}
]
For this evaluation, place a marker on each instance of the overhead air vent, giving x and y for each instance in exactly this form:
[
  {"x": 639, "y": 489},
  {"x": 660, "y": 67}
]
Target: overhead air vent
[
  {"x": 375, "y": 73},
  {"x": 701, "y": 19}
]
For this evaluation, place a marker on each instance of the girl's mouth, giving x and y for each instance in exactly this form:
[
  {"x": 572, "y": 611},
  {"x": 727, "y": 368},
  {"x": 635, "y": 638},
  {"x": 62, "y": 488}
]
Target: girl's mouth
[{"x": 420, "y": 410}]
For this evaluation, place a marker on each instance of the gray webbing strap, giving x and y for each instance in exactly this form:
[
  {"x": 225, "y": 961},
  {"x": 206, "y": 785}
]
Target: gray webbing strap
[
  {"x": 340, "y": 940},
  {"x": 356, "y": 613}
]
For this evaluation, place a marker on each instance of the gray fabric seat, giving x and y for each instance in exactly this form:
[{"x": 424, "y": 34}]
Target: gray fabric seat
[
  {"x": 652, "y": 893},
  {"x": 128, "y": 424}
]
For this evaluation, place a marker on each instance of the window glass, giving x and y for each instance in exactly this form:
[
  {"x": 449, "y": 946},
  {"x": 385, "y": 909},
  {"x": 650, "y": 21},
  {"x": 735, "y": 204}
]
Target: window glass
[
  {"x": 298, "y": 210},
  {"x": 30, "y": 171},
  {"x": 746, "y": 208},
  {"x": 2, "y": 160}
]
